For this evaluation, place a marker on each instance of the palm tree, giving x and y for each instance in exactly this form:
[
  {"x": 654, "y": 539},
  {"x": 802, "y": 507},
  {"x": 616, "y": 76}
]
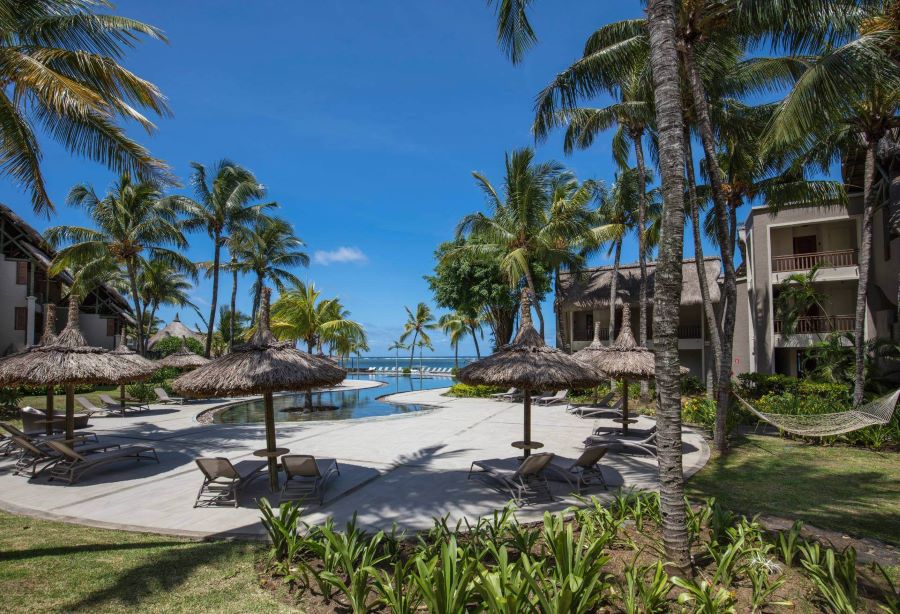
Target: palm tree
[
  {"x": 797, "y": 296},
  {"x": 232, "y": 324},
  {"x": 418, "y": 324},
  {"x": 845, "y": 104},
  {"x": 523, "y": 229},
  {"x": 301, "y": 314},
  {"x": 161, "y": 284},
  {"x": 221, "y": 207},
  {"x": 397, "y": 346},
  {"x": 267, "y": 250},
  {"x": 60, "y": 69},
  {"x": 423, "y": 343},
  {"x": 132, "y": 224},
  {"x": 456, "y": 328}
]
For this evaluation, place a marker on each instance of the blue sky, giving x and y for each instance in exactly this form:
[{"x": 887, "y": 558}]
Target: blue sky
[{"x": 363, "y": 119}]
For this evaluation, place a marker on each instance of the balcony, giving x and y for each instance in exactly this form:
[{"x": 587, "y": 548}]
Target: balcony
[
  {"x": 814, "y": 325},
  {"x": 804, "y": 262},
  {"x": 685, "y": 331}
]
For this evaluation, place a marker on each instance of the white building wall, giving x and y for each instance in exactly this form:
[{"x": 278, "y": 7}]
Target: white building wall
[
  {"x": 93, "y": 327},
  {"x": 12, "y": 295}
]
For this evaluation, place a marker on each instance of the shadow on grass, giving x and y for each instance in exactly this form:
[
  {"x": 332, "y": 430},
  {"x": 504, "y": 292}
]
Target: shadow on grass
[
  {"x": 850, "y": 490},
  {"x": 33, "y": 553}
]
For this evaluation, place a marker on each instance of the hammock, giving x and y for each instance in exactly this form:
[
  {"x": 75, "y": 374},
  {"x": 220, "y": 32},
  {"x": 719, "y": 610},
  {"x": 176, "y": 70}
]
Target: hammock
[{"x": 878, "y": 411}]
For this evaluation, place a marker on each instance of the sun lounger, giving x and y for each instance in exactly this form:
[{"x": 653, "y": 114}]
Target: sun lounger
[
  {"x": 306, "y": 476},
  {"x": 600, "y": 406},
  {"x": 111, "y": 403},
  {"x": 89, "y": 408},
  {"x": 559, "y": 397},
  {"x": 582, "y": 471},
  {"x": 165, "y": 399},
  {"x": 615, "y": 431},
  {"x": 39, "y": 437},
  {"x": 35, "y": 458},
  {"x": 222, "y": 479},
  {"x": 624, "y": 445},
  {"x": 34, "y": 420},
  {"x": 509, "y": 395},
  {"x": 525, "y": 483},
  {"x": 74, "y": 465}
]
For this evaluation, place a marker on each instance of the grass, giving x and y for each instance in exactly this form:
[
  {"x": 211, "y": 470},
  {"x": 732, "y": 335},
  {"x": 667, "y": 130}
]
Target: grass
[
  {"x": 851, "y": 490},
  {"x": 59, "y": 400},
  {"x": 52, "y": 566}
]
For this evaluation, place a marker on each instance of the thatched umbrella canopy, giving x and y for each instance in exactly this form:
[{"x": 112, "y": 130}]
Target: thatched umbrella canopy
[
  {"x": 183, "y": 359},
  {"x": 530, "y": 365},
  {"x": 261, "y": 366},
  {"x": 624, "y": 360},
  {"x": 68, "y": 360},
  {"x": 126, "y": 353}
]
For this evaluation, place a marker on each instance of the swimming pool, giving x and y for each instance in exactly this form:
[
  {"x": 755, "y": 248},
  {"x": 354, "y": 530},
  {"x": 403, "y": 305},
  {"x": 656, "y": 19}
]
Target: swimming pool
[{"x": 348, "y": 404}]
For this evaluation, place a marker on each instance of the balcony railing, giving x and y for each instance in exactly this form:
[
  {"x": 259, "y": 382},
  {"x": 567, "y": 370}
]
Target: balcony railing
[
  {"x": 819, "y": 324},
  {"x": 804, "y": 262},
  {"x": 685, "y": 331}
]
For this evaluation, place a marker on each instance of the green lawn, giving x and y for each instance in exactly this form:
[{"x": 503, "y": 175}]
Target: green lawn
[
  {"x": 52, "y": 567},
  {"x": 59, "y": 400},
  {"x": 851, "y": 490}
]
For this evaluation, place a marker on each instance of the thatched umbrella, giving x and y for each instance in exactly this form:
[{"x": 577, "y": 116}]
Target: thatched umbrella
[
  {"x": 624, "y": 360},
  {"x": 126, "y": 353},
  {"x": 261, "y": 366},
  {"x": 530, "y": 365},
  {"x": 183, "y": 358},
  {"x": 68, "y": 360}
]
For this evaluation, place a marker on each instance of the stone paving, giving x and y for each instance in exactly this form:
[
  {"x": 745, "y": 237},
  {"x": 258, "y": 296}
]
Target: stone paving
[{"x": 404, "y": 469}]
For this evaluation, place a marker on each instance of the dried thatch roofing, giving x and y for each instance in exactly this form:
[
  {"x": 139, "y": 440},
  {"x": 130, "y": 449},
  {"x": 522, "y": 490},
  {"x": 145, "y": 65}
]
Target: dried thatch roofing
[
  {"x": 67, "y": 360},
  {"x": 530, "y": 364},
  {"x": 123, "y": 351},
  {"x": 589, "y": 288},
  {"x": 49, "y": 335},
  {"x": 183, "y": 359},
  {"x": 261, "y": 365},
  {"x": 175, "y": 328}
]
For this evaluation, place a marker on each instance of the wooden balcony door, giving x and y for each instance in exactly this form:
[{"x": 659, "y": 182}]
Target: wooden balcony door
[{"x": 805, "y": 245}]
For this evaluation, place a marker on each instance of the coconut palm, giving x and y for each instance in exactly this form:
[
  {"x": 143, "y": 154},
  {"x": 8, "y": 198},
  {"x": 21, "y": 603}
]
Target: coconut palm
[
  {"x": 132, "y": 224},
  {"x": 418, "y": 324},
  {"x": 455, "y": 327},
  {"x": 301, "y": 314},
  {"x": 845, "y": 105},
  {"x": 523, "y": 229},
  {"x": 223, "y": 204},
  {"x": 59, "y": 65},
  {"x": 161, "y": 284},
  {"x": 397, "y": 346},
  {"x": 268, "y": 249},
  {"x": 797, "y": 296},
  {"x": 231, "y": 324}
]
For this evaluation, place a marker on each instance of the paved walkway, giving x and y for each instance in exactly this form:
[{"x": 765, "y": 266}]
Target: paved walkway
[{"x": 404, "y": 469}]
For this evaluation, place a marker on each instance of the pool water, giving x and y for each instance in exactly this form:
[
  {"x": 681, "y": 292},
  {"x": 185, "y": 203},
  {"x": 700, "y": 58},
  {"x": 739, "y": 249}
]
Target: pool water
[{"x": 349, "y": 404}]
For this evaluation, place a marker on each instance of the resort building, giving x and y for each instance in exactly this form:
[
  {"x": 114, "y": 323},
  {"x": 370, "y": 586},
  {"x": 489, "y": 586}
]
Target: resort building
[
  {"x": 778, "y": 245},
  {"x": 25, "y": 287},
  {"x": 582, "y": 300}
]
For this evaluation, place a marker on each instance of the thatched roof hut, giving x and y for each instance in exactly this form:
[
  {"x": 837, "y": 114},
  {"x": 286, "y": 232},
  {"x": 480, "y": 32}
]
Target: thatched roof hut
[
  {"x": 175, "y": 328},
  {"x": 261, "y": 366},
  {"x": 183, "y": 359},
  {"x": 68, "y": 360},
  {"x": 49, "y": 335},
  {"x": 529, "y": 364},
  {"x": 126, "y": 353}
]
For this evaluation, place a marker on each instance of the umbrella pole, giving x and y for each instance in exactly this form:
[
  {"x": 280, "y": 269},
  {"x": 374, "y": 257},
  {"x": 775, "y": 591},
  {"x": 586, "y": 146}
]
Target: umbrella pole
[
  {"x": 70, "y": 412},
  {"x": 527, "y": 401},
  {"x": 122, "y": 397},
  {"x": 270, "y": 441},
  {"x": 625, "y": 407},
  {"x": 48, "y": 412}
]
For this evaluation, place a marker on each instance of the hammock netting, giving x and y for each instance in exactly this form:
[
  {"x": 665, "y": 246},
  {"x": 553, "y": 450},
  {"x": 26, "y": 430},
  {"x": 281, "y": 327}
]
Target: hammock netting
[{"x": 875, "y": 412}]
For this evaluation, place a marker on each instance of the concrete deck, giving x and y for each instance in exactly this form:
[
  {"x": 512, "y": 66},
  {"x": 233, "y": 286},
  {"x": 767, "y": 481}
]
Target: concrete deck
[{"x": 404, "y": 469}]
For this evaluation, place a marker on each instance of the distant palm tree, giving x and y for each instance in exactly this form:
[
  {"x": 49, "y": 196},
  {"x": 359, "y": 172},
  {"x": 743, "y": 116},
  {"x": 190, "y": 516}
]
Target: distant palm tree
[
  {"x": 232, "y": 324},
  {"x": 161, "y": 284},
  {"x": 456, "y": 328},
  {"x": 223, "y": 204},
  {"x": 797, "y": 296},
  {"x": 268, "y": 249},
  {"x": 301, "y": 314},
  {"x": 397, "y": 346},
  {"x": 60, "y": 69},
  {"x": 132, "y": 224},
  {"x": 418, "y": 324}
]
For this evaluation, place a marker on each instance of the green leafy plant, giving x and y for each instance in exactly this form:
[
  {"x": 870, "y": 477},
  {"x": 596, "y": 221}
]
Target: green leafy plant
[
  {"x": 396, "y": 589},
  {"x": 889, "y": 594},
  {"x": 170, "y": 345},
  {"x": 473, "y": 391},
  {"x": 645, "y": 588},
  {"x": 730, "y": 560},
  {"x": 445, "y": 580},
  {"x": 504, "y": 586},
  {"x": 704, "y": 597},
  {"x": 285, "y": 530},
  {"x": 763, "y": 588},
  {"x": 788, "y": 542},
  {"x": 141, "y": 391},
  {"x": 833, "y": 575},
  {"x": 358, "y": 557}
]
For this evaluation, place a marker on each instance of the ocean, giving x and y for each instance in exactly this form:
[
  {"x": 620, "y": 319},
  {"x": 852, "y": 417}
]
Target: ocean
[{"x": 429, "y": 362}]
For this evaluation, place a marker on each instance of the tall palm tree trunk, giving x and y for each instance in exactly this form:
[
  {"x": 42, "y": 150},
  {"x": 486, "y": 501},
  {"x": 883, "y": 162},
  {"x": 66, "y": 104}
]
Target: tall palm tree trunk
[
  {"x": 537, "y": 305},
  {"x": 138, "y": 309},
  {"x": 637, "y": 137},
  {"x": 664, "y": 65},
  {"x": 412, "y": 353},
  {"x": 865, "y": 256},
  {"x": 217, "y": 253},
  {"x": 712, "y": 324},
  {"x": 233, "y": 305},
  {"x": 613, "y": 293},
  {"x": 726, "y": 242},
  {"x": 475, "y": 340}
]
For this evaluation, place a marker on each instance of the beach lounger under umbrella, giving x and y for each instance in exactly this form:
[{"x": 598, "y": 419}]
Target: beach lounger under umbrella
[
  {"x": 68, "y": 361},
  {"x": 530, "y": 365},
  {"x": 262, "y": 366}
]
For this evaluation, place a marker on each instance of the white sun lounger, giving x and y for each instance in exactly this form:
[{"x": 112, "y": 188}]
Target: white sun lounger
[{"x": 553, "y": 399}]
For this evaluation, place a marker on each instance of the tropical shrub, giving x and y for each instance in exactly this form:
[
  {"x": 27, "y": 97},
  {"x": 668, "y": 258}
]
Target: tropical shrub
[
  {"x": 478, "y": 391},
  {"x": 142, "y": 392},
  {"x": 170, "y": 345},
  {"x": 699, "y": 410},
  {"x": 692, "y": 385}
]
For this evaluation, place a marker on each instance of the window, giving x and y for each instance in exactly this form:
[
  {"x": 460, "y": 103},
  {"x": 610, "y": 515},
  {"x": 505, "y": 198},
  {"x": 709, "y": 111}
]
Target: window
[
  {"x": 589, "y": 325},
  {"x": 21, "y": 318},
  {"x": 110, "y": 327},
  {"x": 21, "y": 272}
]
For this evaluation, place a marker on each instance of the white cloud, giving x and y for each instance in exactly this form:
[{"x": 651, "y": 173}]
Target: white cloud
[{"x": 340, "y": 255}]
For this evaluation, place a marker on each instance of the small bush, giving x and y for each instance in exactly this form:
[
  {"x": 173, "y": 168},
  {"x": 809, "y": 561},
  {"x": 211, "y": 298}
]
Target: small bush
[
  {"x": 479, "y": 392},
  {"x": 142, "y": 392},
  {"x": 170, "y": 345},
  {"x": 36, "y": 391},
  {"x": 163, "y": 375},
  {"x": 692, "y": 385},
  {"x": 756, "y": 385},
  {"x": 699, "y": 410}
]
